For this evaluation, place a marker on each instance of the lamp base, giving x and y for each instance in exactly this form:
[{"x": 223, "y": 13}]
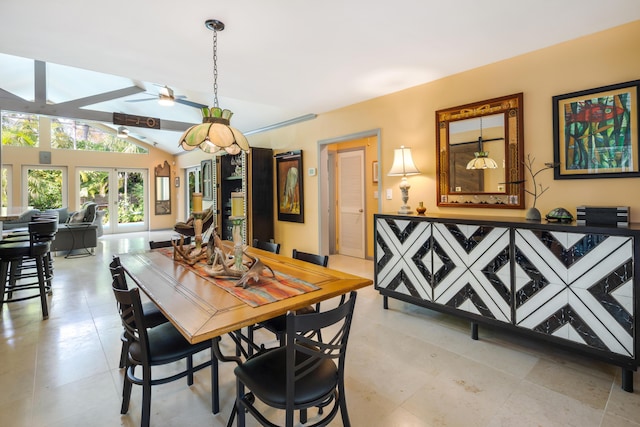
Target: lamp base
[{"x": 405, "y": 210}]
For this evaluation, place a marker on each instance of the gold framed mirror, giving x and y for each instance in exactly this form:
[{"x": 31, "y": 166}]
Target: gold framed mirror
[
  {"x": 480, "y": 153},
  {"x": 163, "y": 189}
]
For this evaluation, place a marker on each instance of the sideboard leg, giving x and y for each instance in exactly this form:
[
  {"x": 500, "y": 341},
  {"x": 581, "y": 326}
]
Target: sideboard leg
[
  {"x": 627, "y": 380},
  {"x": 385, "y": 302},
  {"x": 474, "y": 331}
]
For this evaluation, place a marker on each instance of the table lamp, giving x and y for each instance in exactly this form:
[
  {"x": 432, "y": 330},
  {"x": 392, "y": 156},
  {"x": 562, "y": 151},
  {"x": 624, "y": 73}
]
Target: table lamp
[{"x": 402, "y": 166}]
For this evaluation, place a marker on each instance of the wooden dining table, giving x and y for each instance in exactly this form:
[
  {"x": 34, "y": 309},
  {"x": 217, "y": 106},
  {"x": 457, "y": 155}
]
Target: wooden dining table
[{"x": 201, "y": 310}]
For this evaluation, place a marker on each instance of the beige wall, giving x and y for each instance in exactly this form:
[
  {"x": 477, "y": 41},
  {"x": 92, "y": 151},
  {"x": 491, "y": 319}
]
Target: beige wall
[{"x": 408, "y": 118}]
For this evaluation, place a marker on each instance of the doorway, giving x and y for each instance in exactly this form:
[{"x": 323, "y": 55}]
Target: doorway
[
  {"x": 337, "y": 189},
  {"x": 193, "y": 178},
  {"x": 351, "y": 203},
  {"x": 121, "y": 193}
]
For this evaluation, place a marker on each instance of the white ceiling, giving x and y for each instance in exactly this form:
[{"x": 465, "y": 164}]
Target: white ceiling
[{"x": 277, "y": 59}]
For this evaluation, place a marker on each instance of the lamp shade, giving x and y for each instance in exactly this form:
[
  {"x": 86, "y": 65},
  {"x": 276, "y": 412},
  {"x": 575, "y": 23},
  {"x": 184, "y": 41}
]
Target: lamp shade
[
  {"x": 214, "y": 134},
  {"x": 403, "y": 163},
  {"x": 482, "y": 161}
]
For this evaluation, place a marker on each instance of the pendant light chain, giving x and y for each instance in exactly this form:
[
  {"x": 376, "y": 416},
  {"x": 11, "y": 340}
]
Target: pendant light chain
[{"x": 215, "y": 68}]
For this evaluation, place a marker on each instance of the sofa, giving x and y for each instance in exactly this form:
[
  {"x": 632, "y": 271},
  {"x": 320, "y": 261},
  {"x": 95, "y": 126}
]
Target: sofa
[{"x": 76, "y": 230}]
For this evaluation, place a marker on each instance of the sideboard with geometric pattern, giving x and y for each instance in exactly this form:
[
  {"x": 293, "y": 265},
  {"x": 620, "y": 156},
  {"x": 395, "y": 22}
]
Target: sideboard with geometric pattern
[{"x": 575, "y": 286}]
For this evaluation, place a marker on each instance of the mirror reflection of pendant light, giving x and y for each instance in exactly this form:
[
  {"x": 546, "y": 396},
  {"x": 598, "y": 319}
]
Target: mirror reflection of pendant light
[
  {"x": 214, "y": 133},
  {"x": 402, "y": 166},
  {"x": 482, "y": 159}
]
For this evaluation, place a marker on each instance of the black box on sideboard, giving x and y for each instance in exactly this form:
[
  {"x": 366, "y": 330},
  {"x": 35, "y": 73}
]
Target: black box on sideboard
[{"x": 610, "y": 216}]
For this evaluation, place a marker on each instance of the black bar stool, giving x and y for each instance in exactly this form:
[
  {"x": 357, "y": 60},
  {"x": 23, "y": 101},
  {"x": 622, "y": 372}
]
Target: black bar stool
[{"x": 12, "y": 255}]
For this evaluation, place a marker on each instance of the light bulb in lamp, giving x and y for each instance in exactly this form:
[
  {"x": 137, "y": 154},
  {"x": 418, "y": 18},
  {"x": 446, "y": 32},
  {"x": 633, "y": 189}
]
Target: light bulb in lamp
[{"x": 402, "y": 166}]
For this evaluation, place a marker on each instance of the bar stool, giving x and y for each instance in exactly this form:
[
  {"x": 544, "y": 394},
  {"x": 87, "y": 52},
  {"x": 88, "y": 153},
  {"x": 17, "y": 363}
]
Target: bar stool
[
  {"x": 27, "y": 267},
  {"x": 12, "y": 254}
]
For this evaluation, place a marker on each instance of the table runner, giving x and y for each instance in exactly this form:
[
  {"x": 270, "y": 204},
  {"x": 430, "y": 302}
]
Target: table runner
[{"x": 267, "y": 290}]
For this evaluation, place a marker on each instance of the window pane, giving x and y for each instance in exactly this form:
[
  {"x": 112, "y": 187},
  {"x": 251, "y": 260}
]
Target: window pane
[
  {"x": 44, "y": 188},
  {"x": 5, "y": 191},
  {"x": 67, "y": 134},
  {"x": 19, "y": 129}
]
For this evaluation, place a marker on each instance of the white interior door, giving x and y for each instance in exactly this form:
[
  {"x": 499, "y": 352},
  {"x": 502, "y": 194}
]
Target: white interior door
[{"x": 351, "y": 208}]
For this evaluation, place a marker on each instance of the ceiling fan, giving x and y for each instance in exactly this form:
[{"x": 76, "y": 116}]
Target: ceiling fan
[{"x": 166, "y": 97}]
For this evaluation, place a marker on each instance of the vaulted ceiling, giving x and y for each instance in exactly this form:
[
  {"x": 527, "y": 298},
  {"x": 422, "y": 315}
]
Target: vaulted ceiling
[{"x": 277, "y": 59}]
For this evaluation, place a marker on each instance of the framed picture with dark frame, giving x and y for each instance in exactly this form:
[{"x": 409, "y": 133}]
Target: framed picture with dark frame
[
  {"x": 374, "y": 171},
  {"x": 206, "y": 170},
  {"x": 595, "y": 132},
  {"x": 289, "y": 186}
]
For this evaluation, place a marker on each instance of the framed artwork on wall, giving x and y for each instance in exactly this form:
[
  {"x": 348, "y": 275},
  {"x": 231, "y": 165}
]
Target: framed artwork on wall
[
  {"x": 595, "y": 132},
  {"x": 289, "y": 186},
  {"x": 374, "y": 171},
  {"x": 206, "y": 167}
]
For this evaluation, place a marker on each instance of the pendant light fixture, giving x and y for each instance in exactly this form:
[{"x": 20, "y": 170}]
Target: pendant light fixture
[
  {"x": 215, "y": 133},
  {"x": 482, "y": 159}
]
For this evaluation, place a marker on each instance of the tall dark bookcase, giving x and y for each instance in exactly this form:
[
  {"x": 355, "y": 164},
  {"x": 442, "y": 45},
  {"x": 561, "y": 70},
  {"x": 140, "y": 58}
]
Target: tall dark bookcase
[{"x": 251, "y": 174}]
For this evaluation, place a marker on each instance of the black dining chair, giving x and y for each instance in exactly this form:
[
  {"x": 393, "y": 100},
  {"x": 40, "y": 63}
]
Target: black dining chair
[
  {"x": 156, "y": 346},
  {"x": 152, "y": 314},
  {"x": 277, "y": 325},
  {"x": 307, "y": 372},
  {"x": 266, "y": 246},
  {"x": 15, "y": 283}
]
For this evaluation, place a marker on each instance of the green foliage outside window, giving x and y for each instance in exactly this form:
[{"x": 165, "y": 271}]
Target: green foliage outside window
[
  {"x": 69, "y": 134},
  {"x": 44, "y": 188},
  {"x": 19, "y": 129},
  {"x": 130, "y": 198}
]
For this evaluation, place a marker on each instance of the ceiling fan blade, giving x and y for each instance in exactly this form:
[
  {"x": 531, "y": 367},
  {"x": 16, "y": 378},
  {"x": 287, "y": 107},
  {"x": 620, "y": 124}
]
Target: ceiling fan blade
[
  {"x": 190, "y": 103},
  {"x": 141, "y": 100}
]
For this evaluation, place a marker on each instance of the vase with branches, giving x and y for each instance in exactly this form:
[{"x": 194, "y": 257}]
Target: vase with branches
[{"x": 533, "y": 213}]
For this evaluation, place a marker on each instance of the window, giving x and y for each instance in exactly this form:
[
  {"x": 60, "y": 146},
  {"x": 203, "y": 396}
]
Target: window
[
  {"x": 19, "y": 129},
  {"x": 68, "y": 134},
  {"x": 46, "y": 187}
]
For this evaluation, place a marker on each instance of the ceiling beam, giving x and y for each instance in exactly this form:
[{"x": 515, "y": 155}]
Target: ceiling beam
[
  {"x": 102, "y": 97},
  {"x": 40, "y": 81},
  {"x": 9, "y": 95},
  {"x": 71, "y": 109}
]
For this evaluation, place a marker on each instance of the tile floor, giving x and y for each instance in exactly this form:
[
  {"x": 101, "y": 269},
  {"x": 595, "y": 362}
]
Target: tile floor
[{"x": 407, "y": 366}]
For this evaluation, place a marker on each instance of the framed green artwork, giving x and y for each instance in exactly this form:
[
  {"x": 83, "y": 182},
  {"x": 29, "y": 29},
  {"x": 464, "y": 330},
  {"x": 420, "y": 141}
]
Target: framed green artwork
[{"x": 596, "y": 132}]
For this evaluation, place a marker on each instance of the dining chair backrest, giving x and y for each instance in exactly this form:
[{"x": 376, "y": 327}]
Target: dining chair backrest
[
  {"x": 307, "y": 372},
  {"x": 130, "y": 310},
  {"x": 118, "y": 274},
  {"x": 322, "y": 260},
  {"x": 267, "y": 246}
]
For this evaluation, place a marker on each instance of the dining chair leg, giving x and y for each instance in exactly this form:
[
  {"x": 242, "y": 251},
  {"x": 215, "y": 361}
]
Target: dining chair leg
[
  {"x": 43, "y": 287},
  {"x": 239, "y": 409},
  {"x": 126, "y": 392},
  {"x": 343, "y": 408},
  {"x": 215, "y": 385},
  {"x": 13, "y": 278},
  {"x": 48, "y": 273},
  {"x": 146, "y": 396},
  {"x": 4, "y": 271},
  {"x": 190, "y": 371}
]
